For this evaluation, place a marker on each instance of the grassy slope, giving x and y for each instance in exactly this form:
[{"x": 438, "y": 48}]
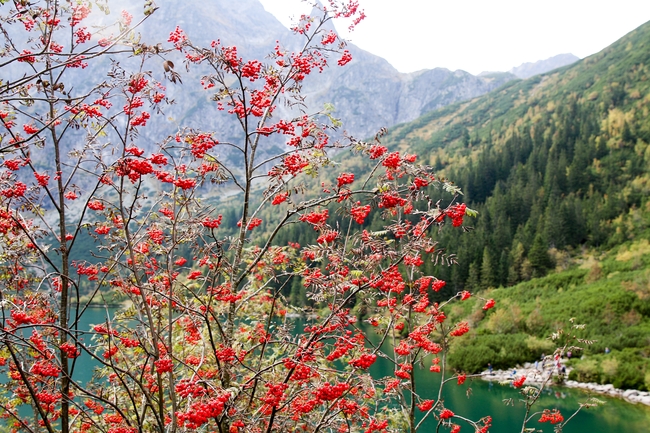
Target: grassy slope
[{"x": 608, "y": 292}]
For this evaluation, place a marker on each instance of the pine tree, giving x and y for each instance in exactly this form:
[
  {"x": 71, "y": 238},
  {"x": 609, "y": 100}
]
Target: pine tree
[
  {"x": 487, "y": 270},
  {"x": 517, "y": 254},
  {"x": 474, "y": 278},
  {"x": 539, "y": 257}
]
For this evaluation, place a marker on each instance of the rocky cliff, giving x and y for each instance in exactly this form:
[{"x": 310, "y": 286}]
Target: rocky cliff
[{"x": 367, "y": 94}]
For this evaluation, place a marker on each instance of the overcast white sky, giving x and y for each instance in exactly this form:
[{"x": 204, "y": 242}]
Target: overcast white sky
[{"x": 483, "y": 35}]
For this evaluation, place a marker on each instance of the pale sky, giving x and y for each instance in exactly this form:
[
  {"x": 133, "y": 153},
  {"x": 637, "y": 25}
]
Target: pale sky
[{"x": 482, "y": 35}]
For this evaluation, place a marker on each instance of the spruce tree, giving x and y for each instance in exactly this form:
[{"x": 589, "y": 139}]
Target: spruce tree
[{"x": 539, "y": 257}]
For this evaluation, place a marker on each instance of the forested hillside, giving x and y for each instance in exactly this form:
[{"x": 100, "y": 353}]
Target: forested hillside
[
  {"x": 554, "y": 163},
  {"x": 607, "y": 292}
]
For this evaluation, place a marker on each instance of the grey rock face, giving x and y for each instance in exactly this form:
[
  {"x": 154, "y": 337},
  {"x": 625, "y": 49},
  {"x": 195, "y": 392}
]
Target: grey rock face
[{"x": 367, "y": 94}]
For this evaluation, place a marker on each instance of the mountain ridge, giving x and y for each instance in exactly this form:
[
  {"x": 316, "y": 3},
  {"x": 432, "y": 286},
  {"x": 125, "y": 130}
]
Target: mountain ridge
[
  {"x": 368, "y": 93},
  {"x": 529, "y": 69}
]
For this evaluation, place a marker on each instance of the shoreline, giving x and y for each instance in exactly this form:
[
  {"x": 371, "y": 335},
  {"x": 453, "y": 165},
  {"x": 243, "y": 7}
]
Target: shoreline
[{"x": 538, "y": 376}]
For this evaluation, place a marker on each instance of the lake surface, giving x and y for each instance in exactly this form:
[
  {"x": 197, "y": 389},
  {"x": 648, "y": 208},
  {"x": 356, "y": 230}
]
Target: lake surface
[{"x": 478, "y": 398}]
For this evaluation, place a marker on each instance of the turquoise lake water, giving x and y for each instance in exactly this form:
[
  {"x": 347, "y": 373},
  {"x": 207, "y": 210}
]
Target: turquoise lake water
[{"x": 478, "y": 398}]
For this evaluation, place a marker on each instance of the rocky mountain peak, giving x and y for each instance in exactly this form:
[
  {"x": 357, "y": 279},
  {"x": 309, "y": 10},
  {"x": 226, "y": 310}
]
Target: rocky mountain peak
[{"x": 367, "y": 94}]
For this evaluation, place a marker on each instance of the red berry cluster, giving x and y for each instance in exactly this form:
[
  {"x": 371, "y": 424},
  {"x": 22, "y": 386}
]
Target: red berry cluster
[
  {"x": 345, "y": 58},
  {"x": 437, "y": 285},
  {"x": 376, "y": 426},
  {"x": 251, "y": 70},
  {"x": 456, "y": 214},
  {"x": 254, "y": 222},
  {"x": 392, "y": 161},
  {"x": 446, "y": 414},
  {"x": 302, "y": 372},
  {"x": 391, "y": 281},
  {"x": 345, "y": 179},
  {"x": 317, "y": 219},
  {"x": 403, "y": 348},
  {"x": 201, "y": 412},
  {"x": 426, "y": 405},
  {"x": 487, "y": 423},
  {"x": 461, "y": 329},
  {"x": 364, "y": 361},
  {"x": 200, "y": 144},
  {"x": 554, "y": 416},
  {"x": 343, "y": 345},
  {"x": 413, "y": 261},
  {"x": 359, "y": 213},
  {"x": 519, "y": 382},
  {"x": 420, "y": 336},
  {"x": 133, "y": 168},
  {"x": 303, "y": 404},
  {"x": 70, "y": 349},
  {"x": 101, "y": 329},
  {"x": 177, "y": 37},
  {"x": 376, "y": 151},
  {"x": 141, "y": 119},
  {"x": 185, "y": 388},
  {"x": 294, "y": 164},
  {"x": 45, "y": 368},
  {"x": 185, "y": 183},
  {"x": 164, "y": 365},
  {"x": 419, "y": 183},
  {"x": 390, "y": 200},
  {"x": 275, "y": 394},
  {"x": 225, "y": 354},
  {"x": 280, "y": 198},
  {"x": 328, "y": 392},
  {"x": 404, "y": 371},
  {"x": 137, "y": 83},
  {"x": 156, "y": 235},
  {"x": 212, "y": 223},
  {"x": 94, "y": 406},
  {"x": 328, "y": 237}
]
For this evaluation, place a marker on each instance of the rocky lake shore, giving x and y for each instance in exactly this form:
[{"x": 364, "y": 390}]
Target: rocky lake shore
[{"x": 537, "y": 375}]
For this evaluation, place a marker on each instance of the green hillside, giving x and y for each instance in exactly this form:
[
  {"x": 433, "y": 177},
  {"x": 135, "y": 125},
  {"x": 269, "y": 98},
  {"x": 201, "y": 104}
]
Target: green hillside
[
  {"x": 554, "y": 163},
  {"x": 558, "y": 167},
  {"x": 608, "y": 292}
]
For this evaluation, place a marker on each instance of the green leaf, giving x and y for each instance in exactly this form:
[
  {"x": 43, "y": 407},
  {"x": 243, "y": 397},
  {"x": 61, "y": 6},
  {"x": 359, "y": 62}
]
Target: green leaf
[
  {"x": 471, "y": 212},
  {"x": 452, "y": 189}
]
